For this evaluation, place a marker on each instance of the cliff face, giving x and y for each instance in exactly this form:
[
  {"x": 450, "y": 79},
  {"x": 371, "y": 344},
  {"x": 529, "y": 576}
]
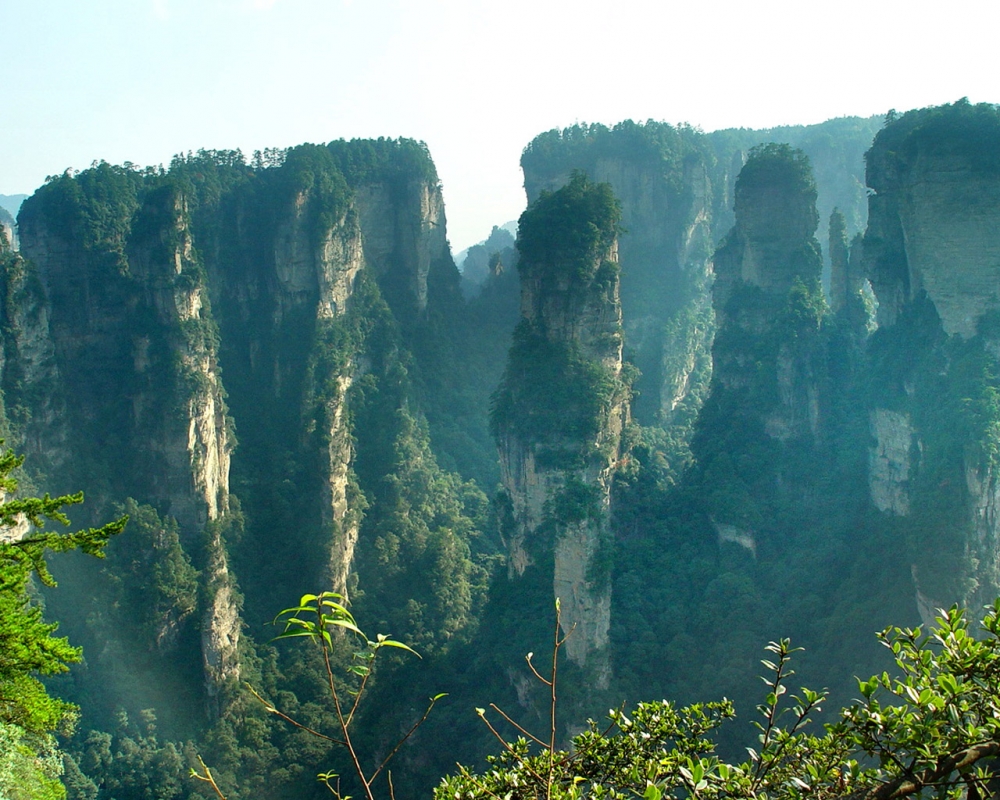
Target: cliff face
[
  {"x": 119, "y": 331},
  {"x": 932, "y": 252},
  {"x": 129, "y": 312},
  {"x": 562, "y": 407},
  {"x": 404, "y": 233},
  {"x": 932, "y": 227},
  {"x": 677, "y": 189},
  {"x": 7, "y": 228},
  {"x": 766, "y": 286},
  {"x": 137, "y": 292},
  {"x": 661, "y": 176}
]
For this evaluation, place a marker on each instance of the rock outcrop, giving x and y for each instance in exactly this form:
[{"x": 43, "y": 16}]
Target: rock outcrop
[
  {"x": 404, "y": 233},
  {"x": 767, "y": 273},
  {"x": 562, "y": 407},
  {"x": 132, "y": 344},
  {"x": 120, "y": 332},
  {"x": 661, "y": 176},
  {"x": 8, "y": 229},
  {"x": 932, "y": 254},
  {"x": 136, "y": 288},
  {"x": 889, "y": 461},
  {"x": 933, "y": 212}
]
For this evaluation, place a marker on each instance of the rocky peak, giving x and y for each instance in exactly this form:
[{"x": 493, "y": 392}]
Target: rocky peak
[
  {"x": 934, "y": 175},
  {"x": 772, "y": 245},
  {"x": 562, "y": 405}
]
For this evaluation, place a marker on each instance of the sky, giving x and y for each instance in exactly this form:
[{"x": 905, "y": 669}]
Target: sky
[{"x": 142, "y": 80}]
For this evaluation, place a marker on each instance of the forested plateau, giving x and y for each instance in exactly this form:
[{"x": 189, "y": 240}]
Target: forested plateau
[{"x": 726, "y": 388}]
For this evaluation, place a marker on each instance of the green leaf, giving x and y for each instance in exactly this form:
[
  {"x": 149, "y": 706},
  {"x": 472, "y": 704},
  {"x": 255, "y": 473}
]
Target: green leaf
[{"x": 400, "y": 645}]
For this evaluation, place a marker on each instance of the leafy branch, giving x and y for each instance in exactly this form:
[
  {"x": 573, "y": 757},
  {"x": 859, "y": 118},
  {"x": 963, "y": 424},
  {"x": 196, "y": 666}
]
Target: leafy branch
[{"x": 316, "y": 617}]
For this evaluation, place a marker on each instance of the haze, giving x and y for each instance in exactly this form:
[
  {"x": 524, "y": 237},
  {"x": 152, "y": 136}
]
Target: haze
[{"x": 140, "y": 81}]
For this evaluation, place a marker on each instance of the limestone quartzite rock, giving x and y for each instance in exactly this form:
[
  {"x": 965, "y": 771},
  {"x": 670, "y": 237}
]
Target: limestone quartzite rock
[{"x": 562, "y": 406}]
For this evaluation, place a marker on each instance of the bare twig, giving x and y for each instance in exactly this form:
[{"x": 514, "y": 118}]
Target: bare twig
[
  {"x": 269, "y": 707},
  {"x": 527, "y": 733},
  {"x": 358, "y": 769},
  {"x": 506, "y": 746},
  {"x": 402, "y": 741}
]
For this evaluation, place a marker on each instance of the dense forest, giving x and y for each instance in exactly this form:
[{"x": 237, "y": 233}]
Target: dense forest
[{"x": 724, "y": 389}]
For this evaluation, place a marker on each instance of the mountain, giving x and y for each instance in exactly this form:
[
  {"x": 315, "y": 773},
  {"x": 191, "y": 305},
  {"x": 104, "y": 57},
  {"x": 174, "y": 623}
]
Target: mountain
[{"x": 724, "y": 388}]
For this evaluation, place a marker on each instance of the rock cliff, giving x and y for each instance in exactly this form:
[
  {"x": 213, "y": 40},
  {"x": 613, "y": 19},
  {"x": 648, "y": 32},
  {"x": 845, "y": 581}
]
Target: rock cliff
[
  {"x": 114, "y": 326},
  {"x": 932, "y": 252},
  {"x": 767, "y": 273},
  {"x": 307, "y": 280},
  {"x": 932, "y": 215},
  {"x": 661, "y": 176},
  {"x": 132, "y": 344},
  {"x": 561, "y": 408}
]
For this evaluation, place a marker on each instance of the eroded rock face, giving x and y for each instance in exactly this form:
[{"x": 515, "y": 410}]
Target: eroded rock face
[
  {"x": 221, "y": 627},
  {"x": 119, "y": 333},
  {"x": 558, "y": 473},
  {"x": 339, "y": 517},
  {"x": 767, "y": 298},
  {"x": 932, "y": 220},
  {"x": 306, "y": 269},
  {"x": 932, "y": 254},
  {"x": 666, "y": 256},
  {"x": 130, "y": 339},
  {"x": 773, "y": 244},
  {"x": 889, "y": 461},
  {"x": 404, "y": 233},
  {"x": 7, "y": 232}
]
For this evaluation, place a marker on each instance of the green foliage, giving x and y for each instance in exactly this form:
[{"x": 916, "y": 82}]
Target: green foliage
[
  {"x": 310, "y": 170},
  {"x": 836, "y": 150},
  {"x": 154, "y": 585},
  {"x": 30, "y": 765},
  {"x": 324, "y": 618},
  {"x": 393, "y": 161},
  {"x": 552, "y": 395},
  {"x": 95, "y": 207},
  {"x": 777, "y": 167},
  {"x": 420, "y": 526},
  {"x": 960, "y": 129},
  {"x": 655, "y": 144},
  {"x": 27, "y": 646},
  {"x": 565, "y": 234},
  {"x": 131, "y": 764},
  {"x": 931, "y": 730}
]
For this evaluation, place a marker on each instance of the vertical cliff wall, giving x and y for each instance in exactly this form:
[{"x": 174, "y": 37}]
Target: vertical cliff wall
[
  {"x": 677, "y": 189},
  {"x": 661, "y": 175},
  {"x": 767, "y": 274},
  {"x": 114, "y": 325},
  {"x": 298, "y": 278},
  {"x": 561, "y": 408},
  {"x": 771, "y": 389},
  {"x": 132, "y": 338},
  {"x": 932, "y": 253}
]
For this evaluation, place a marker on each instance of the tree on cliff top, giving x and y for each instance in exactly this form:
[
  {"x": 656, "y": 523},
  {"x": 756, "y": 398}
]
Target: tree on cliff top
[{"x": 569, "y": 230}]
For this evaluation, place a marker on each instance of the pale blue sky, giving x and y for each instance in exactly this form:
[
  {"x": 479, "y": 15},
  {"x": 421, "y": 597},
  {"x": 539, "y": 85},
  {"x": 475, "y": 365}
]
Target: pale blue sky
[{"x": 140, "y": 80}]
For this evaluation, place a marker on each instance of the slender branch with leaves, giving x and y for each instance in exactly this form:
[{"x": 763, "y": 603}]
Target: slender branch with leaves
[{"x": 317, "y": 617}]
